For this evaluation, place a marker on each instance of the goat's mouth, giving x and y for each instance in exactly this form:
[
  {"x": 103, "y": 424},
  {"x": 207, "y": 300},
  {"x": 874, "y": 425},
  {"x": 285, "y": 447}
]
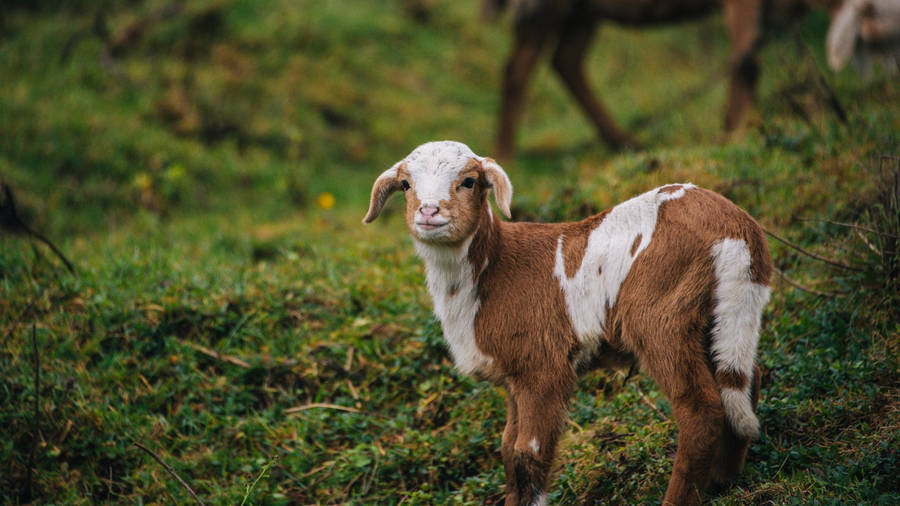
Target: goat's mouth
[{"x": 431, "y": 225}]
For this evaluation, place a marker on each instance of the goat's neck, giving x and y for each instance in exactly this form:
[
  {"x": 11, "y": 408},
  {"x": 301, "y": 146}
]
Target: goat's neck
[
  {"x": 452, "y": 267},
  {"x": 453, "y": 273}
]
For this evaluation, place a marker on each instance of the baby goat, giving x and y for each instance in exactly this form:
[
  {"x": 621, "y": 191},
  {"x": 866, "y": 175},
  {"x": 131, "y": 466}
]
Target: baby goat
[{"x": 676, "y": 278}]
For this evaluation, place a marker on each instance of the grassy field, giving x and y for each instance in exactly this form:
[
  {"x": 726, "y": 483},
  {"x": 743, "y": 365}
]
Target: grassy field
[{"x": 206, "y": 168}]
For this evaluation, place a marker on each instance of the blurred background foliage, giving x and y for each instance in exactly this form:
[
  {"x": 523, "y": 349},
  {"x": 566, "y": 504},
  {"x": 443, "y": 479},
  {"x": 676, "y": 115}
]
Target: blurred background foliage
[{"x": 205, "y": 165}]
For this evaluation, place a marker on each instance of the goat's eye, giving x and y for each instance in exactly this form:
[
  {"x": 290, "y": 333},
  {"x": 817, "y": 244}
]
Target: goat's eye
[
  {"x": 468, "y": 182},
  {"x": 404, "y": 184}
]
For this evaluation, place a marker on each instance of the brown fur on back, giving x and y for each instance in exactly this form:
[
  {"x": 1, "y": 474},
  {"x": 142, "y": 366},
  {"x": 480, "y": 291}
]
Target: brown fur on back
[{"x": 674, "y": 275}]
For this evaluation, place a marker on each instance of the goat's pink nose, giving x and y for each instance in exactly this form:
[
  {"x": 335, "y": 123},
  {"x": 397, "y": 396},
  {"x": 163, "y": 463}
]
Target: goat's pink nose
[{"x": 428, "y": 210}]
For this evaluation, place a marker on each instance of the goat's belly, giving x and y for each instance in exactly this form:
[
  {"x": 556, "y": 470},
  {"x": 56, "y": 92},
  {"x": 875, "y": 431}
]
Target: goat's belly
[
  {"x": 650, "y": 12},
  {"x": 605, "y": 357}
]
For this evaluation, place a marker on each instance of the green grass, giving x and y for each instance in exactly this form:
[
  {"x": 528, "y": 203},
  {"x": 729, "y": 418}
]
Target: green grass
[{"x": 182, "y": 180}]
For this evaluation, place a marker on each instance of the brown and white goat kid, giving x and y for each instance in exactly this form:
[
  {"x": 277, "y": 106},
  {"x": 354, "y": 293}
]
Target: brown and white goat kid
[{"x": 676, "y": 278}]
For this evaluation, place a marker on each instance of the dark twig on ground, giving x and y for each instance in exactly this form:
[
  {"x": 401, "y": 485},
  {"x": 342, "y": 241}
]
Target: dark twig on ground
[
  {"x": 216, "y": 355},
  {"x": 802, "y": 288},
  {"x": 12, "y": 223},
  {"x": 35, "y": 429},
  {"x": 851, "y": 225},
  {"x": 170, "y": 471},
  {"x": 828, "y": 261},
  {"x": 631, "y": 370}
]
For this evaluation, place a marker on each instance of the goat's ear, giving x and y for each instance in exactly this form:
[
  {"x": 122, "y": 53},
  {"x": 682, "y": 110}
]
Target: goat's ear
[
  {"x": 384, "y": 186},
  {"x": 499, "y": 181},
  {"x": 841, "y": 38}
]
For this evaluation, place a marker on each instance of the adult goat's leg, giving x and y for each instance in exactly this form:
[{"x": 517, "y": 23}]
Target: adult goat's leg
[
  {"x": 568, "y": 60},
  {"x": 526, "y": 50},
  {"x": 742, "y": 19}
]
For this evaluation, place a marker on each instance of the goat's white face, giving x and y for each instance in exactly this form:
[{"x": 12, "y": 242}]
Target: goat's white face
[{"x": 446, "y": 186}]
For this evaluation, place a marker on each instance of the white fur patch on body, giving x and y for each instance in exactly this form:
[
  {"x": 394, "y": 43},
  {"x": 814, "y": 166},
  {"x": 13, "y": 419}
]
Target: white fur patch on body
[
  {"x": 535, "y": 446},
  {"x": 448, "y": 275},
  {"x": 607, "y": 260},
  {"x": 540, "y": 500},
  {"x": 735, "y": 333}
]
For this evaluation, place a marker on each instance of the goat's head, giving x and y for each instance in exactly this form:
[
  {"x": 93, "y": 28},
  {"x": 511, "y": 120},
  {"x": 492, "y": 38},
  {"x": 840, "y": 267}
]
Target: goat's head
[{"x": 446, "y": 187}]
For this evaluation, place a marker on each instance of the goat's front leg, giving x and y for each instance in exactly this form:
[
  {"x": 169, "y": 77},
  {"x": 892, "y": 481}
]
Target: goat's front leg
[
  {"x": 742, "y": 18},
  {"x": 540, "y": 411},
  {"x": 507, "y": 447}
]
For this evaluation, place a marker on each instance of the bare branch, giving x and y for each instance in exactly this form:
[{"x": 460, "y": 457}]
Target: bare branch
[
  {"x": 802, "y": 288},
  {"x": 631, "y": 370},
  {"x": 323, "y": 405},
  {"x": 851, "y": 225},
  {"x": 26, "y": 495},
  {"x": 12, "y": 223},
  {"x": 216, "y": 355},
  {"x": 812, "y": 255},
  {"x": 649, "y": 403},
  {"x": 170, "y": 471}
]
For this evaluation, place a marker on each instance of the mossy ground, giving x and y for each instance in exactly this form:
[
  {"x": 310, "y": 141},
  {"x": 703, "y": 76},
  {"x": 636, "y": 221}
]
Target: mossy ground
[{"x": 186, "y": 177}]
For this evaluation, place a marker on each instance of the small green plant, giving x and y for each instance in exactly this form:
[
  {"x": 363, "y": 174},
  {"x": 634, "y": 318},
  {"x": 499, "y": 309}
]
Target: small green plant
[{"x": 262, "y": 473}]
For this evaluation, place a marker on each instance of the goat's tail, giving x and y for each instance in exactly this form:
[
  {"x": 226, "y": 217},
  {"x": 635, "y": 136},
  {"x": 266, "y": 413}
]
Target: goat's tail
[{"x": 739, "y": 301}]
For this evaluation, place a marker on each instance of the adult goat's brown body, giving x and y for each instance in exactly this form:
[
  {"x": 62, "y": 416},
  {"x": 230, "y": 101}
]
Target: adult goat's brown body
[
  {"x": 676, "y": 278},
  {"x": 570, "y": 25}
]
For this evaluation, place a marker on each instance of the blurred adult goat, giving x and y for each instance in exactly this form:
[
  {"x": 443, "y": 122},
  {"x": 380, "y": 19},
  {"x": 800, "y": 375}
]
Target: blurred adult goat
[{"x": 570, "y": 24}]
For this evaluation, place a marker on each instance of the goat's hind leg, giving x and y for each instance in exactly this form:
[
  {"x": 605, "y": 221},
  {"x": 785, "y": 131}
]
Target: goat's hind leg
[
  {"x": 687, "y": 381},
  {"x": 529, "y": 40},
  {"x": 700, "y": 419},
  {"x": 742, "y": 18},
  {"x": 568, "y": 60},
  {"x": 732, "y": 449}
]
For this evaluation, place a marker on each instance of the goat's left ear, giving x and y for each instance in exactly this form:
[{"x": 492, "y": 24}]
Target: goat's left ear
[
  {"x": 384, "y": 186},
  {"x": 499, "y": 181}
]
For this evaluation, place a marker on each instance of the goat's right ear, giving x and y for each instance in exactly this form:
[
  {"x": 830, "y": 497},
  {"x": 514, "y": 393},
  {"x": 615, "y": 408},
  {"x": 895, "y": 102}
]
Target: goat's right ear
[{"x": 384, "y": 186}]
